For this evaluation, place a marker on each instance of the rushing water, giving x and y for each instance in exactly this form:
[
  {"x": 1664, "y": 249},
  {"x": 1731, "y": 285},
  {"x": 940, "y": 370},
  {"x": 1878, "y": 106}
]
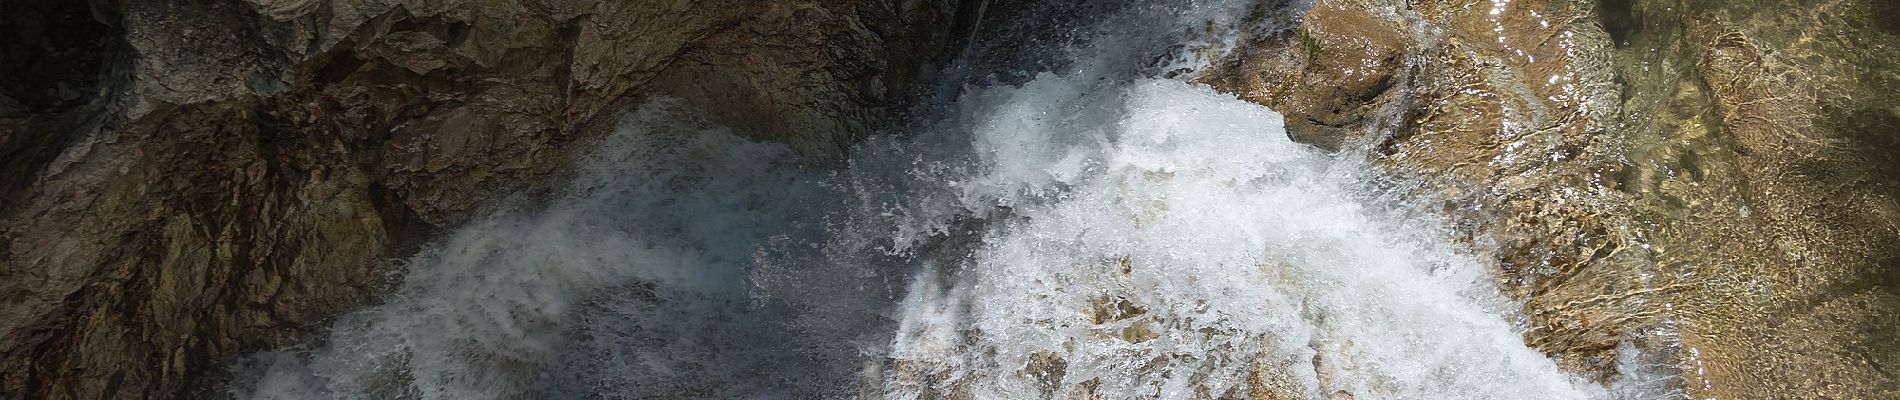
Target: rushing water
[{"x": 1093, "y": 230}]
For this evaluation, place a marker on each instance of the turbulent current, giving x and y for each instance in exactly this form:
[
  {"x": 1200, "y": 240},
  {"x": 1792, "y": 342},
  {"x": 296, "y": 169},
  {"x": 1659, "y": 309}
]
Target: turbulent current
[{"x": 1094, "y": 230}]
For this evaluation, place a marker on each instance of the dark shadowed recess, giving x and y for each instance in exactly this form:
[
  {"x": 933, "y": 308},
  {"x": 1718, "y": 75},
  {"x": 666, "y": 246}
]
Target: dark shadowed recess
[{"x": 52, "y": 53}]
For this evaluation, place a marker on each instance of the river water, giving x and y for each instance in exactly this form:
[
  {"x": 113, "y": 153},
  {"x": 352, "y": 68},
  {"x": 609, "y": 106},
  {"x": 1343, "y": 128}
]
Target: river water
[{"x": 1099, "y": 228}]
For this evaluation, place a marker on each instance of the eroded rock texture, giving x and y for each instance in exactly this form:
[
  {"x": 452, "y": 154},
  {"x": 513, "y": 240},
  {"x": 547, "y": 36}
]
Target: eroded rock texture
[
  {"x": 1711, "y": 180},
  {"x": 182, "y": 181}
]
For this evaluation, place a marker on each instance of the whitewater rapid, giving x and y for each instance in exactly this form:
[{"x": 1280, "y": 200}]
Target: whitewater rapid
[
  {"x": 1226, "y": 254},
  {"x": 1091, "y": 231}
]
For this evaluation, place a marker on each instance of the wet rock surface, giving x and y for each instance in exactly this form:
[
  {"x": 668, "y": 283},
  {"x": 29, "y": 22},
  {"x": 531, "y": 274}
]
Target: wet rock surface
[
  {"x": 1501, "y": 110},
  {"x": 1772, "y": 182},
  {"x": 186, "y": 181},
  {"x": 1710, "y": 181}
]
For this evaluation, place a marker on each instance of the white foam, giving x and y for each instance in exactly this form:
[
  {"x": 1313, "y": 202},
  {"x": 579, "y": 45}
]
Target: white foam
[
  {"x": 1151, "y": 237},
  {"x": 1249, "y": 254}
]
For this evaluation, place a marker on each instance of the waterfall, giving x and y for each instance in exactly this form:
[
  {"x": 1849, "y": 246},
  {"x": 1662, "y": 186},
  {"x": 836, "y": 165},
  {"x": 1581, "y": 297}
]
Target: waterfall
[{"x": 1100, "y": 229}]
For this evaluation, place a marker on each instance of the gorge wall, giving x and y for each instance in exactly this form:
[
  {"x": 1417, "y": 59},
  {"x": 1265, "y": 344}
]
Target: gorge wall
[
  {"x": 1713, "y": 182},
  {"x": 188, "y": 180}
]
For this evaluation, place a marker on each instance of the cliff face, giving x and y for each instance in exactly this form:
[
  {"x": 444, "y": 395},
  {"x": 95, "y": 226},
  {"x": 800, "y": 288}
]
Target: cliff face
[
  {"x": 1717, "y": 172},
  {"x": 184, "y": 181}
]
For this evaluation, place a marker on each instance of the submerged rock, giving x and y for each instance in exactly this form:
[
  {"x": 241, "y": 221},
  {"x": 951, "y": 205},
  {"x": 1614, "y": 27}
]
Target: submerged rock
[
  {"x": 1772, "y": 129},
  {"x": 184, "y": 181}
]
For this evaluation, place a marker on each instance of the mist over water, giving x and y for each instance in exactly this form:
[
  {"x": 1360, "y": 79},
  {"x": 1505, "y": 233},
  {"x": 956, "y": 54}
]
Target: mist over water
[
  {"x": 637, "y": 276},
  {"x": 1097, "y": 229}
]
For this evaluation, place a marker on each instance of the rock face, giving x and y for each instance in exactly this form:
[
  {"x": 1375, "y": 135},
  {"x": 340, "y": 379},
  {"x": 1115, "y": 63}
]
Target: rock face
[
  {"x": 1717, "y": 182},
  {"x": 183, "y": 181},
  {"x": 1709, "y": 180}
]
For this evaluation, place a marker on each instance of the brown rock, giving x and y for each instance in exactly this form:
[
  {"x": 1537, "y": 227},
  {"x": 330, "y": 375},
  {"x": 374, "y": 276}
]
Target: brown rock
[
  {"x": 1721, "y": 171},
  {"x": 1105, "y": 309},
  {"x": 1774, "y": 181},
  {"x": 1356, "y": 53},
  {"x": 211, "y": 177}
]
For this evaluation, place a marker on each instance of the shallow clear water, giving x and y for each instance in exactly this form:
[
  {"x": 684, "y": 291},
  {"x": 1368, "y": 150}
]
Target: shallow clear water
[{"x": 1093, "y": 230}]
